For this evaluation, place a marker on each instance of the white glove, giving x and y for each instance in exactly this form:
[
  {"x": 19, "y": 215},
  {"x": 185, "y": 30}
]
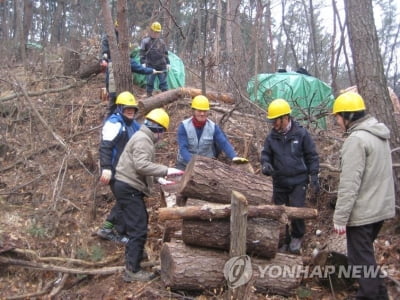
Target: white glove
[
  {"x": 144, "y": 65},
  {"x": 156, "y": 72},
  {"x": 105, "y": 56},
  {"x": 340, "y": 229},
  {"x": 164, "y": 181},
  {"x": 168, "y": 67},
  {"x": 105, "y": 176},
  {"x": 174, "y": 172}
]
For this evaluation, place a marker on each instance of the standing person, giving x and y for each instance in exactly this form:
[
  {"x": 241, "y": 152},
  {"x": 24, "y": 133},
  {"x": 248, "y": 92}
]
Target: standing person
[
  {"x": 117, "y": 130},
  {"x": 290, "y": 157},
  {"x": 154, "y": 54},
  {"x": 366, "y": 188},
  {"x": 134, "y": 176},
  {"x": 201, "y": 136}
]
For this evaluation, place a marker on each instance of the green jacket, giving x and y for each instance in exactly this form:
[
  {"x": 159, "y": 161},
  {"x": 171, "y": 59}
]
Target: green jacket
[
  {"x": 366, "y": 188},
  {"x": 136, "y": 165}
]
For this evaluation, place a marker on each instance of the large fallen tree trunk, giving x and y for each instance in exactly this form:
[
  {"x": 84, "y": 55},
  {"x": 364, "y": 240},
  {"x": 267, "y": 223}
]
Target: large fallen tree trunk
[
  {"x": 219, "y": 211},
  {"x": 211, "y": 180},
  {"x": 189, "y": 268},
  {"x": 262, "y": 235},
  {"x": 169, "y": 96}
]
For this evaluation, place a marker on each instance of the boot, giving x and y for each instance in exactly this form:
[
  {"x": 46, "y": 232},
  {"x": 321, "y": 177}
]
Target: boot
[
  {"x": 141, "y": 275},
  {"x": 295, "y": 245}
]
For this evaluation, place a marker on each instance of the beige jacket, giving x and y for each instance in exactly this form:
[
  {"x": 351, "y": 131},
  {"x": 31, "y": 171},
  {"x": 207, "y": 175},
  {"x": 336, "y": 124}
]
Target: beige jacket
[
  {"x": 366, "y": 188},
  {"x": 136, "y": 165}
]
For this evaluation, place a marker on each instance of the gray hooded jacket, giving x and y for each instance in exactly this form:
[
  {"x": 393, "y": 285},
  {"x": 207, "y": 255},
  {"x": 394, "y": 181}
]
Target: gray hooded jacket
[{"x": 366, "y": 188}]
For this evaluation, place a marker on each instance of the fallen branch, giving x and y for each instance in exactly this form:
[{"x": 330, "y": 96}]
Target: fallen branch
[{"x": 49, "y": 267}]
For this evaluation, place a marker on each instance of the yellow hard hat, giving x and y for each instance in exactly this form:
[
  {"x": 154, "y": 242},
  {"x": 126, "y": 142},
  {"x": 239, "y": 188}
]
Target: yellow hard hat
[
  {"x": 348, "y": 102},
  {"x": 278, "y": 108},
  {"x": 200, "y": 102},
  {"x": 126, "y": 99},
  {"x": 156, "y": 27},
  {"x": 159, "y": 116}
]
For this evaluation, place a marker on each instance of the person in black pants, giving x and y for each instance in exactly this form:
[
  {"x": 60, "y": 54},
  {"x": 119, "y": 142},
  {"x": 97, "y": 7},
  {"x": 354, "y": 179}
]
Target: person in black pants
[
  {"x": 290, "y": 157},
  {"x": 366, "y": 194}
]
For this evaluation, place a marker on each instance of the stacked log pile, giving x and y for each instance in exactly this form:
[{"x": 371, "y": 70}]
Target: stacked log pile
[{"x": 197, "y": 262}]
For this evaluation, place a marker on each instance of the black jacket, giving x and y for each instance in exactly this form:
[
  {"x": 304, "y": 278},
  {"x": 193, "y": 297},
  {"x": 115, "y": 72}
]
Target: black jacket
[{"x": 293, "y": 156}]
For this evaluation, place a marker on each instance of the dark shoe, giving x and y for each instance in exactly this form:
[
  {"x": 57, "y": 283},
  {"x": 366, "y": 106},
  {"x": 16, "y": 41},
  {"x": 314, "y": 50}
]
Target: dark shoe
[
  {"x": 138, "y": 276},
  {"x": 295, "y": 245},
  {"x": 284, "y": 248}
]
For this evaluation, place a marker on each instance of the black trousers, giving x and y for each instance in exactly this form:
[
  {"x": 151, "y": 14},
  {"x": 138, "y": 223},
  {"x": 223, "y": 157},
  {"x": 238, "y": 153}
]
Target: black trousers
[
  {"x": 115, "y": 215},
  {"x": 360, "y": 252},
  {"x": 292, "y": 196},
  {"x": 135, "y": 217}
]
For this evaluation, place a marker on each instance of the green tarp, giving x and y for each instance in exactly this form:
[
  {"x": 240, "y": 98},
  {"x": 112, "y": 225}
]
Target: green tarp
[
  {"x": 176, "y": 75},
  {"x": 307, "y": 95}
]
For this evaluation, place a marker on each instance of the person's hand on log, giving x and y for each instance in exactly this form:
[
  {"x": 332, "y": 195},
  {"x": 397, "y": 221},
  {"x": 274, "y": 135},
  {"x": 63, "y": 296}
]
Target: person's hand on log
[
  {"x": 240, "y": 160},
  {"x": 164, "y": 181},
  {"x": 174, "y": 172},
  {"x": 340, "y": 229}
]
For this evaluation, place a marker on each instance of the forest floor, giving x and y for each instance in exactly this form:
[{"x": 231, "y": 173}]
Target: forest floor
[{"x": 51, "y": 203}]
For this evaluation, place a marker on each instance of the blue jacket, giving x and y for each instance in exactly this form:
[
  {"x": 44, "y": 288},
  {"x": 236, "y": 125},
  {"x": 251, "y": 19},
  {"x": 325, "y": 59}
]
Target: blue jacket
[
  {"x": 116, "y": 133},
  {"x": 293, "y": 156},
  {"x": 210, "y": 148}
]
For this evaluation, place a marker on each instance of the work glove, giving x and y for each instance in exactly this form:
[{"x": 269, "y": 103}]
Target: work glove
[
  {"x": 239, "y": 160},
  {"x": 106, "y": 175},
  {"x": 168, "y": 68},
  {"x": 156, "y": 72},
  {"x": 267, "y": 169},
  {"x": 174, "y": 172},
  {"x": 340, "y": 229},
  {"x": 144, "y": 65},
  {"x": 164, "y": 181},
  {"x": 105, "y": 56}
]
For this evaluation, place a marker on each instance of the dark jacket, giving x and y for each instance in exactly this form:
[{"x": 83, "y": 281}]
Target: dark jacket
[
  {"x": 293, "y": 156},
  {"x": 116, "y": 133},
  {"x": 154, "y": 53}
]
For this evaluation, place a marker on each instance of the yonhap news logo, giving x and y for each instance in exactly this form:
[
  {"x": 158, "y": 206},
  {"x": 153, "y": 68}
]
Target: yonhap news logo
[{"x": 238, "y": 271}]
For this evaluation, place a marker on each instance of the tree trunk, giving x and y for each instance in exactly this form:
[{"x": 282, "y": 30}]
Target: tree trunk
[
  {"x": 212, "y": 180},
  {"x": 188, "y": 268},
  {"x": 262, "y": 235},
  {"x": 207, "y": 211},
  {"x": 369, "y": 71}
]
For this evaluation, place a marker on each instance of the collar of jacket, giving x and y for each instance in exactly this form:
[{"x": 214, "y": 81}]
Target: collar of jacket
[
  {"x": 352, "y": 125},
  {"x": 146, "y": 130}
]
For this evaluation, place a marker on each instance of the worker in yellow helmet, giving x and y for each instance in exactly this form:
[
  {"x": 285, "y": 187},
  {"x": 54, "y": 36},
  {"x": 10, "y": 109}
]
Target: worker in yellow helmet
[
  {"x": 199, "y": 135},
  {"x": 154, "y": 54},
  {"x": 118, "y": 128},
  {"x": 134, "y": 179},
  {"x": 290, "y": 157},
  {"x": 366, "y": 194}
]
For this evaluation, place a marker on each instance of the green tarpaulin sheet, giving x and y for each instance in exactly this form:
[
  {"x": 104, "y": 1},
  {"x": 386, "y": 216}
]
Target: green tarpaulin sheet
[
  {"x": 307, "y": 95},
  {"x": 176, "y": 75}
]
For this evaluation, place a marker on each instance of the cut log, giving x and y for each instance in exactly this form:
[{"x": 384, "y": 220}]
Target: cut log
[
  {"x": 219, "y": 211},
  {"x": 262, "y": 235},
  {"x": 213, "y": 181},
  {"x": 159, "y": 100},
  {"x": 188, "y": 268}
]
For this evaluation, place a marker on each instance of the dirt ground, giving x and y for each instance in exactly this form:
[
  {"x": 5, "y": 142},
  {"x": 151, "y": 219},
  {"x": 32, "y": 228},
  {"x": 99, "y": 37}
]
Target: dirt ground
[{"x": 51, "y": 203}]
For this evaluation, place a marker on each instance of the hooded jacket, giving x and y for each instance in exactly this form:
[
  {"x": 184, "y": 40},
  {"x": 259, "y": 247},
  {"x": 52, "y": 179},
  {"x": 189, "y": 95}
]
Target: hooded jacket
[
  {"x": 136, "y": 165},
  {"x": 366, "y": 188}
]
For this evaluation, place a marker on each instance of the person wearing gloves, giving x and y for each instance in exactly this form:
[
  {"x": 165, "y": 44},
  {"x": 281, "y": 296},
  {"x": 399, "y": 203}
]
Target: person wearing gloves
[
  {"x": 134, "y": 179},
  {"x": 290, "y": 157},
  {"x": 117, "y": 130},
  {"x": 199, "y": 135},
  {"x": 366, "y": 194},
  {"x": 154, "y": 54}
]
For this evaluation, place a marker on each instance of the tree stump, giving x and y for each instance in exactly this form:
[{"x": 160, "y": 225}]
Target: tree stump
[
  {"x": 187, "y": 268},
  {"x": 213, "y": 181},
  {"x": 262, "y": 235}
]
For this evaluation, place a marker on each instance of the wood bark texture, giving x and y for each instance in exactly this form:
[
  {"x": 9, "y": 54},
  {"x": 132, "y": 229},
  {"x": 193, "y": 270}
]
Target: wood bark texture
[
  {"x": 188, "y": 268},
  {"x": 213, "y": 181},
  {"x": 209, "y": 211},
  {"x": 262, "y": 235}
]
